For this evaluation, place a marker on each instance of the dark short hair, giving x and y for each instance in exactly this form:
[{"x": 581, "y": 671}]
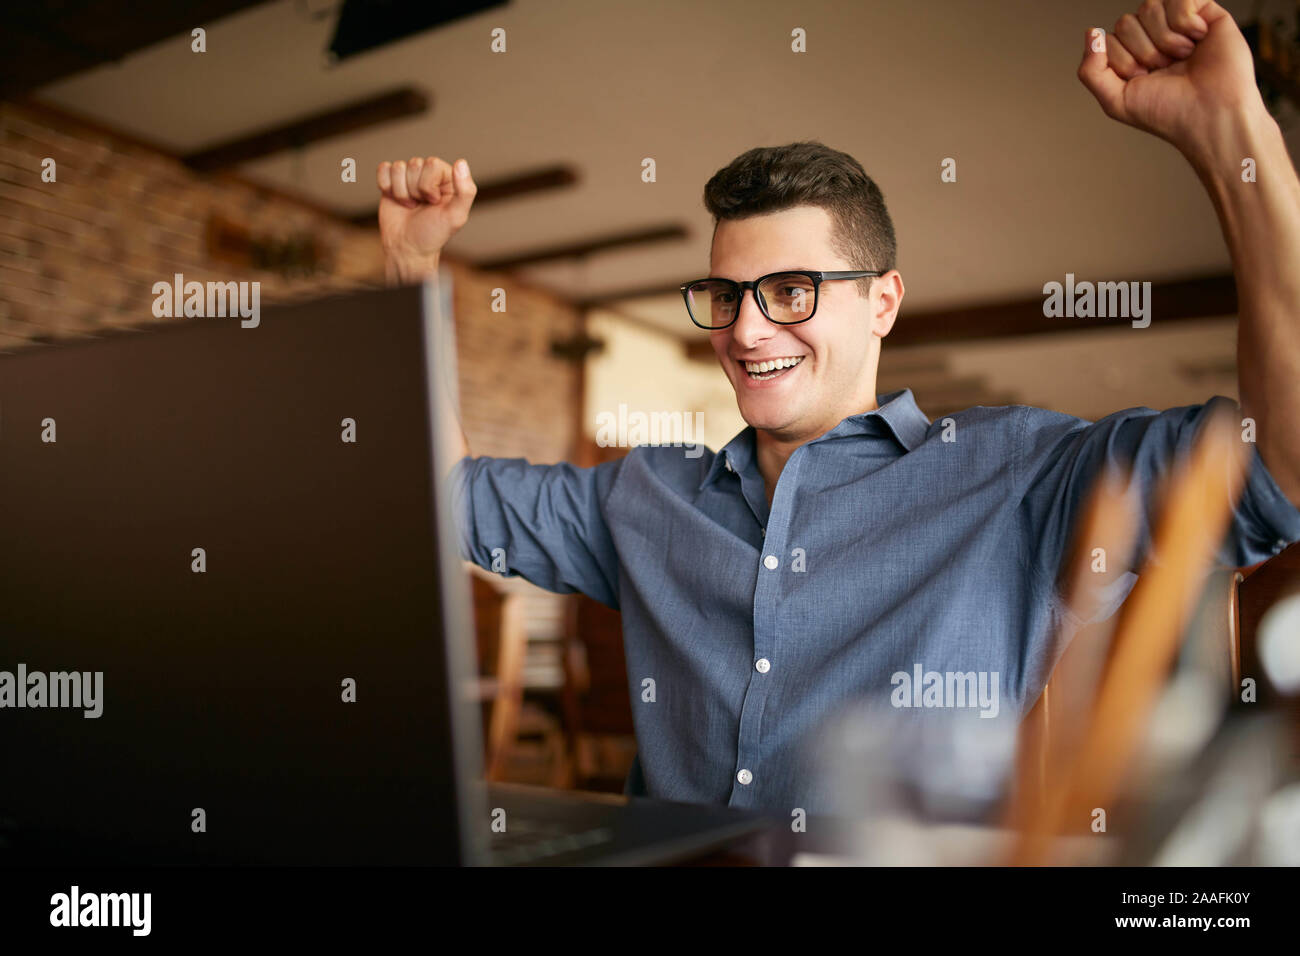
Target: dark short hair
[{"x": 773, "y": 178}]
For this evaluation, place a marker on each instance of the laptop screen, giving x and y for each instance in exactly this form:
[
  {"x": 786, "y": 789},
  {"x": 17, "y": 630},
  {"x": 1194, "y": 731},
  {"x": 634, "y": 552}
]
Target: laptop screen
[{"x": 221, "y": 593}]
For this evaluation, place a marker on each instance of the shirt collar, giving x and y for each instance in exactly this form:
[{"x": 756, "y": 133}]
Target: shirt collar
[{"x": 898, "y": 410}]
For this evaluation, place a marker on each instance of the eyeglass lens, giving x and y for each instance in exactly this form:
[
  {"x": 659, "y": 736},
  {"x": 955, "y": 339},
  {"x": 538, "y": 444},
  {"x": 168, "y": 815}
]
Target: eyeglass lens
[{"x": 787, "y": 297}]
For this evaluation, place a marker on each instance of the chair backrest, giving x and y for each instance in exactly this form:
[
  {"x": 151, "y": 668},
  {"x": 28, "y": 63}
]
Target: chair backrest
[
  {"x": 502, "y": 639},
  {"x": 602, "y": 701},
  {"x": 1259, "y": 589}
]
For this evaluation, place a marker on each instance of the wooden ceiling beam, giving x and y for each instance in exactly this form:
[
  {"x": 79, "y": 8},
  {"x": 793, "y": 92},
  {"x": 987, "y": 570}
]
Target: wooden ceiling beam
[
  {"x": 1170, "y": 301},
  {"x": 327, "y": 124},
  {"x": 575, "y": 250}
]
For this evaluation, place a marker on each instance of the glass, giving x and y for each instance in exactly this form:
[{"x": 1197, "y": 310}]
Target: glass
[{"x": 786, "y": 298}]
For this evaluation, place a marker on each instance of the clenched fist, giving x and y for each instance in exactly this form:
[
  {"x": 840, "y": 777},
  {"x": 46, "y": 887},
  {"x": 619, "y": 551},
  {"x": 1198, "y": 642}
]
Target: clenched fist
[
  {"x": 1175, "y": 69},
  {"x": 422, "y": 204}
]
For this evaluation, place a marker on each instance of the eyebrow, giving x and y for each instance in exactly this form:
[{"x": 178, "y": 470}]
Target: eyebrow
[{"x": 774, "y": 272}]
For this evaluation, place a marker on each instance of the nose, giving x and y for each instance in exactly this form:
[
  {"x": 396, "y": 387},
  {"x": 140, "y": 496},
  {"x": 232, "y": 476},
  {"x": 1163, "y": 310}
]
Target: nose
[{"x": 752, "y": 327}]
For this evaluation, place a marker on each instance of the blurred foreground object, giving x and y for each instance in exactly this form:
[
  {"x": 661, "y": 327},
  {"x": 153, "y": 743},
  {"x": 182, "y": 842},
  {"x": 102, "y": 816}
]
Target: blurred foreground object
[
  {"x": 914, "y": 787},
  {"x": 1198, "y": 505},
  {"x": 1279, "y": 644}
]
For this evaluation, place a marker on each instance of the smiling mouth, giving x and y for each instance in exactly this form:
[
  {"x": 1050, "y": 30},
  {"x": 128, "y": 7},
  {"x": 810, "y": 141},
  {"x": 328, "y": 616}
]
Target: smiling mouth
[{"x": 773, "y": 368}]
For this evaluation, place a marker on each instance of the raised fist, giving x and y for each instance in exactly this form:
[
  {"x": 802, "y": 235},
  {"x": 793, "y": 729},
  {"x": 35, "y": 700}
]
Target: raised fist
[{"x": 423, "y": 202}]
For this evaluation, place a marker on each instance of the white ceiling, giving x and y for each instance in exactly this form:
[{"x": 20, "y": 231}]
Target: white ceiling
[{"x": 1046, "y": 183}]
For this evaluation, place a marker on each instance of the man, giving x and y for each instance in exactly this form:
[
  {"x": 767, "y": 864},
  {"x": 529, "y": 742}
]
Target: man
[{"x": 842, "y": 539}]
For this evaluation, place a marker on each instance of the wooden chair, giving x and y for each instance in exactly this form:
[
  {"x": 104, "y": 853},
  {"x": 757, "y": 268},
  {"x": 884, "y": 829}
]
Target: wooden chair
[
  {"x": 509, "y": 716},
  {"x": 502, "y": 643},
  {"x": 597, "y": 703}
]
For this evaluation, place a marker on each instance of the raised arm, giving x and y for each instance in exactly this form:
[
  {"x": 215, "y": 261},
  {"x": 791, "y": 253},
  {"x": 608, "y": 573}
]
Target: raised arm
[
  {"x": 423, "y": 202},
  {"x": 1181, "y": 70}
]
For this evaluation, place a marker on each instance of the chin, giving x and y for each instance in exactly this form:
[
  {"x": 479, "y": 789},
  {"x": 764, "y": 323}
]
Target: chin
[{"x": 766, "y": 418}]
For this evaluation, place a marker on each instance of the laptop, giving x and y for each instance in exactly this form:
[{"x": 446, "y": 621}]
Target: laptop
[{"x": 234, "y": 624}]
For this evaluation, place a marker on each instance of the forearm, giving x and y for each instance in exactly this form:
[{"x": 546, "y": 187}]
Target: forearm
[
  {"x": 405, "y": 270},
  {"x": 456, "y": 443},
  {"x": 1261, "y": 224}
]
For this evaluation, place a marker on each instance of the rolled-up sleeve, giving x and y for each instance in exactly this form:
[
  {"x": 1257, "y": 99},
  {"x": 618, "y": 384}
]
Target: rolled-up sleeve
[
  {"x": 544, "y": 523},
  {"x": 1061, "y": 457}
]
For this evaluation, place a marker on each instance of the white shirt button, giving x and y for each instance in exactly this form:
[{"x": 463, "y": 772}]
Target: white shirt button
[
  {"x": 745, "y": 777},
  {"x": 770, "y": 562},
  {"x": 762, "y": 665}
]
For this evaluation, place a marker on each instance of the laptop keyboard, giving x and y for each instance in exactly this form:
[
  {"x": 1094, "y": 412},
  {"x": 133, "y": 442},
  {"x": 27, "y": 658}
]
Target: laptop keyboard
[{"x": 528, "y": 841}]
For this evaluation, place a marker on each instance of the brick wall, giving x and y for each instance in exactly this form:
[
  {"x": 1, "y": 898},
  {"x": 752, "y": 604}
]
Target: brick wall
[
  {"x": 517, "y": 399},
  {"x": 84, "y": 252}
]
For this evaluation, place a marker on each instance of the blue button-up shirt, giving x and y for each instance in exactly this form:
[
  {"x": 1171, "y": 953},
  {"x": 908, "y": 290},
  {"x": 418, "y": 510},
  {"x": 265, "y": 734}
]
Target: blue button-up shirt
[{"x": 892, "y": 545}]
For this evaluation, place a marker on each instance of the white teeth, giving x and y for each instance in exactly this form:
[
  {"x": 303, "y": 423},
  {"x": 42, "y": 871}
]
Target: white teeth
[{"x": 774, "y": 365}]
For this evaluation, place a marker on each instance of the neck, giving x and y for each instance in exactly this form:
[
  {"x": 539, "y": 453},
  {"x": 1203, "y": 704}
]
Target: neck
[{"x": 775, "y": 448}]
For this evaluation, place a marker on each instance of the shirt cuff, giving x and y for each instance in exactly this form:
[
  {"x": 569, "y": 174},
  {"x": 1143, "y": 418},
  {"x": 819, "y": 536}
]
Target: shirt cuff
[
  {"x": 1271, "y": 507},
  {"x": 458, "y": 499}
]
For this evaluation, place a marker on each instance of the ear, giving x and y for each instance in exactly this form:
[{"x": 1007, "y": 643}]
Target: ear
[{"x": 886, "y": 297}]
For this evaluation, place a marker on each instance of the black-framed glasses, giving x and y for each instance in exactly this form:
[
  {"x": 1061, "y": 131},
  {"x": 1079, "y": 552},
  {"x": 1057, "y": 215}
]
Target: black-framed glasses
[{"x": 786, "y": 298}]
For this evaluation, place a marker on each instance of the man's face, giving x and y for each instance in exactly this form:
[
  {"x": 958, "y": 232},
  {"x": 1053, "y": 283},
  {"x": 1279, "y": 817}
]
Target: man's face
[{"x": 836, "y": 349}]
